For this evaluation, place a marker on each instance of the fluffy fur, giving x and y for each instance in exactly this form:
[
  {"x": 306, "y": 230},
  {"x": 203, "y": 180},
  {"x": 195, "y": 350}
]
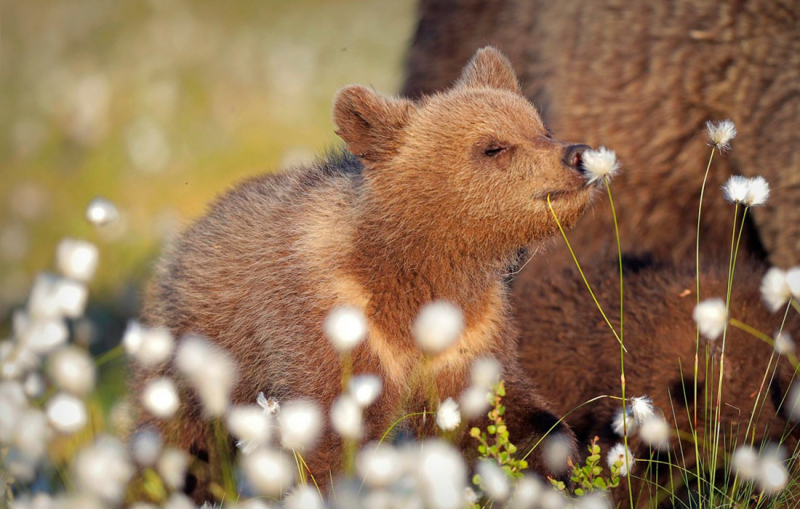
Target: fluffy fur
[{"x": 432, "y": 200}]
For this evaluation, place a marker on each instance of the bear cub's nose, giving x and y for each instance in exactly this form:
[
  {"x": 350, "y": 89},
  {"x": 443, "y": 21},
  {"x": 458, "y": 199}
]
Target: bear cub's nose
[{"x": 573, "y": 156}]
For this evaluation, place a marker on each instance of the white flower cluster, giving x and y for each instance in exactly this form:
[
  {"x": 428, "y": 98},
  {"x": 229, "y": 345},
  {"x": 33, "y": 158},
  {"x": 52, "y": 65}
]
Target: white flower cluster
[
  {"x": 720, "y": 134},
  {"x": 599, "y": 165},
  {"x": 768, "y": 468},
  {"x": 750, "y": 192},
  {"x": 779, "y": 286},
  {"x": 711, "y": 316}
]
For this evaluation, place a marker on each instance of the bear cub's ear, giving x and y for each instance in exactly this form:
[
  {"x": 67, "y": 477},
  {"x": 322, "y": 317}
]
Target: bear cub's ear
[
  {"x": 489, "y": 68},
  {"x": 370, "y": 123}
]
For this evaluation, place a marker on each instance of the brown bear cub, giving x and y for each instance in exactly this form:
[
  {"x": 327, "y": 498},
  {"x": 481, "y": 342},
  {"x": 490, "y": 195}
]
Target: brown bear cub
[
  {"x": 567, "y": 348},
  {"x": 431, "y": 201}
]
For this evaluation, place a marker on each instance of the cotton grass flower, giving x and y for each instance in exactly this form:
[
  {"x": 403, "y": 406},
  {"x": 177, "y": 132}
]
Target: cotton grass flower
[
  {"x": 72, "y": 369},
  {"x": 270, "y": 405},
  {"x": 744, "y": 463},
  {"x": 66, "y": 413},
  {"x": 783, "y": 343},
  {"x": 772, "y": 476},
  {"x": 77, "y": 259},
  {"x": 556, "y": 451},
  {"x": 55, "y": 297},
  {"x": 179, "y": 501},
  {"x": 104, "y": 469},
  {"x": 619, "y": 453},
  {"x": 624, "y": 421},
  {"x": 145, "y": 447},
  {"x": 251, "y": 425},
  {"x": 775, "y": 290},
  {"x": 757, "y": 192},
  {"x": 438, "y": 325},
  {"x": 301, "y": 424},
  {"x": 171, "y": 466},
  {"x": 599, "y": 164},
  {"x": 345, "y": 327},
  {"x": 793, "y": 281},
  {"x": 270, "y": 473},
  {"x": 441, "y": 474},
  {"x": 210, "y": 370},
  {"x": 720, "y": 134},
  {"x": 474, "y": 402},
  {"x": 527, "y": 493},
  {"x": 485, "y": 372},
  {"x": 378, "y": 465},
  {"x": 641, "y": 408},
  {"x": 711, "y": 317},
  {"x": 160, "y": 398},
  {"x": 101, "y": 212},
  {"x": 447, "y": 416},
  {"x": 346, "y": 417},
  {"x": 493, "y": 480},
  {"x": 365, "y": 389},
  {"x": 149, "y": 346},
  {"x": 303, "y": 497},
  {"x": 735, "y": 189},
  {"x": 655, "y": 432}
]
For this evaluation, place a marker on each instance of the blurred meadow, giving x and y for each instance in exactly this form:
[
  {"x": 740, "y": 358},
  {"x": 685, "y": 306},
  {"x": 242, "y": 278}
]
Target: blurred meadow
[{"x": 159, "y": 106}]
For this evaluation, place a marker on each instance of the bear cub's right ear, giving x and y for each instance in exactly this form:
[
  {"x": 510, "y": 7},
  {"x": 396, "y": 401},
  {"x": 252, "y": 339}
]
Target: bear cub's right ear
[{"x": 370, "y": 123}]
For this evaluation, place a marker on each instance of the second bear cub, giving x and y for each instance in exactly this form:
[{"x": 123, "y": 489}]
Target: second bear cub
[{"x": 432, "y": 201}]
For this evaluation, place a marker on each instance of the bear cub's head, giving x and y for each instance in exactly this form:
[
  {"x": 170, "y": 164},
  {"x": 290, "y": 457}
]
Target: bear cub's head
[{"x": 473, "y": 163}]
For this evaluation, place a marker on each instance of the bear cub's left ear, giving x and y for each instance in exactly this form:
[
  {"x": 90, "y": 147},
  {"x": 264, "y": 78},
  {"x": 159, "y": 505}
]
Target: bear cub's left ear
[
  {"x": 370, "y": 123},
  {"x": 489, "y": 69}
]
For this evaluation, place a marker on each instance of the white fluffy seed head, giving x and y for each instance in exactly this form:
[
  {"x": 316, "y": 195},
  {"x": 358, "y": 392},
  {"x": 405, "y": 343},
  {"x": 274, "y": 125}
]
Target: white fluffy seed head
[
  {"x": 441, "y": 474},
  {"x": 735, "y": 189},
  {"x": 474, "y": 402},
  {"x": 772, "y": 475},
  {"x": 347, "y": 418},
  {"x": 620, "y": 453},
  {"x": 155, "y": 346},
  {"x": 171, "y": 466},
  {"x": 66, "y": 413},
  {"x": 599, "y": 164},
  {"x": 269, "y": 472},
  {"x": 160, "y": 398},
  {"x": 145, "y": 446},
  {"x": 721, "y": 133},
  {"x": 775, "y": 289},
  {"x": 493, "y": 480},
  {"x": 104, "y": 469},
  {"x": 438, "y": 325},
  {"x": 711, "y": 317},
  {"x": 101, "y": 212},
  {"x": 378, "y": 465},
  {"x": 72, "y": 369},
  {"x": 624, "y": 422},
  {"x": 54, "y": 297},
  {"x": 77, "y": 259},
  {"x": 210, "y": 370},
  {"x": 792, "y": 403},
  {"x": 303, "y": 497},
  {"x": 32, "y": 434},
  {"x": 641, "y": 408},
  {"x": 365, "y": 389},
  {"x": 485, "y": 372},
  {"x": 527, "y": 493},
  {"x": 556, "y": 451},
  {"x": 270, "y": 405},
  {"x": 793, "y": 281},
  {"x": 447, "y": 416},
  {"x": 301, "y": 423},
  {"x": 250, "y": 423},
  {"x": 655, "y": 432},
  {"x": 757, "y": 192},
  {"x": 345, "y": 327},
  {"x": 783, "y": 343}
]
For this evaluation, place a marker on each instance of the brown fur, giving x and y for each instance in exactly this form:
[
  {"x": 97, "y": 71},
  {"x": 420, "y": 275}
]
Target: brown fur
[
  {"x": 421, "y": 214},
  {"x": 642, "y": 78},
  {"x": 568, "y": 350}
]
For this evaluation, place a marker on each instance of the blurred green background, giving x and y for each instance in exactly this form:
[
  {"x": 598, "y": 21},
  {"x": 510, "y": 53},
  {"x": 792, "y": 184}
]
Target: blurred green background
[{"x": 158, "y": 105}]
